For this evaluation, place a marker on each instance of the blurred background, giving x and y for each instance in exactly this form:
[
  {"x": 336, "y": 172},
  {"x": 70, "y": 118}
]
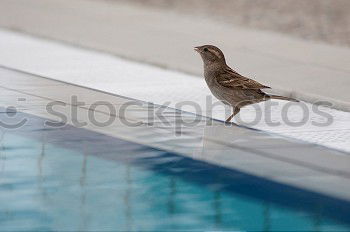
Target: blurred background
[
  {"x": 323, "y": 20},
  {"x": 298, "y": 47}
]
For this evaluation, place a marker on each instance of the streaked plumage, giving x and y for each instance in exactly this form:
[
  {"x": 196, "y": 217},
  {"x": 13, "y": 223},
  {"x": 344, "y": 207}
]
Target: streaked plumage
[{"x": 229, "y": 86}]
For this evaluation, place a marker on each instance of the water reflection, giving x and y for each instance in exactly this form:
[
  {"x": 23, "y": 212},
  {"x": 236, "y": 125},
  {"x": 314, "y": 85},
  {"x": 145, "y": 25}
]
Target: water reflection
[
  {"x": 127, "y": 200},
  {"x": 267, "y": 217},
  {"x": 151, "y": 200},
  {"x": 130, "y": 187},
  {"x": 172, "y": 195},
  {"x": 217, "y": 209},
  {"x": 82, "y": 183},
  {"x": 241, "y": 147},
  {"x": 40, "y": 161},
  {"x": 2, "y": 153}
]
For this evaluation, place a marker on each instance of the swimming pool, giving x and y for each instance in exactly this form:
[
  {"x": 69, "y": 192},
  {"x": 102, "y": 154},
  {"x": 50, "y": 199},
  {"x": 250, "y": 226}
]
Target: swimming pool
[{"x": 74, "y": 179}]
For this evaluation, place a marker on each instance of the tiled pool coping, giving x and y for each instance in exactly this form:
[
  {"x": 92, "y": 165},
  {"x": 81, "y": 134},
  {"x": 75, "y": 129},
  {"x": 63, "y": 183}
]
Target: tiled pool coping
[{"x": 284, "y": 162}]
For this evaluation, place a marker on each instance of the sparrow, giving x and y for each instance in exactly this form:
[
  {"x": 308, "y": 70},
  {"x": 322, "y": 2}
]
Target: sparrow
[{"x": 229, "y": 86}]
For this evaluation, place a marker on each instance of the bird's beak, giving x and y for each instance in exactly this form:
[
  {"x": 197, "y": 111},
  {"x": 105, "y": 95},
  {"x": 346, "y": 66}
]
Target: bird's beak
[{"x": 196, "y": 49}]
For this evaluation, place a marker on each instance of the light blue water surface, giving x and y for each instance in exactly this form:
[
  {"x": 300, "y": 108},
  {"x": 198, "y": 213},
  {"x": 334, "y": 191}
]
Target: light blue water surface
[{"x": 47, "y": 187}]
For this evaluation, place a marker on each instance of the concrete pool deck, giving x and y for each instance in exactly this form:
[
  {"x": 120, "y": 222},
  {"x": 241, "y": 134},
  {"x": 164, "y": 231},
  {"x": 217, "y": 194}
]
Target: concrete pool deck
[
  {"x": 148, "y": 83},
  {"x": 308, "y": 70}
]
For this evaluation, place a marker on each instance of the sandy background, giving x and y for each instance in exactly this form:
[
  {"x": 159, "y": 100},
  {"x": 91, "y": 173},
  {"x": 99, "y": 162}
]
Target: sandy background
[{"x": 323, "y": 20}]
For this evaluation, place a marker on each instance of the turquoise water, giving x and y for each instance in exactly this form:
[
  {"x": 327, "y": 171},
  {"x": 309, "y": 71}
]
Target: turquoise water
[{"x": 47, "y": 187}]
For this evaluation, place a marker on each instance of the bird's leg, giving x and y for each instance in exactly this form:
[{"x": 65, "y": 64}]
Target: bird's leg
[
  {"x": 235, "y": 111},
  {"x": 229, "y": 118}
]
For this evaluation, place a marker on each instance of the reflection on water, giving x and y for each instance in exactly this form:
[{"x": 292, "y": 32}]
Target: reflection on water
[
  {"x": 267, "y": 217},
  {"x": 82, "y": 181},
  {"x": 2, "y": 154},
  {"x": 127, "y": 197},
  {"x": 172, "y": 195},
  {"x": 46, "y": 187},
  {"x": 217, "y": 208}
]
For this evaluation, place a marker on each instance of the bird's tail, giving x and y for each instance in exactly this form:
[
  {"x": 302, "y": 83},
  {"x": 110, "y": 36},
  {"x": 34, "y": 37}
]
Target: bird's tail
[{"x": 283, "y": 98}]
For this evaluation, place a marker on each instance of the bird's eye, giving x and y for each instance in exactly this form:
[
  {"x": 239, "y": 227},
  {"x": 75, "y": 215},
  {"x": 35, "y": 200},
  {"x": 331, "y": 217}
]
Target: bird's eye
[{"x": 205, "y": 49}]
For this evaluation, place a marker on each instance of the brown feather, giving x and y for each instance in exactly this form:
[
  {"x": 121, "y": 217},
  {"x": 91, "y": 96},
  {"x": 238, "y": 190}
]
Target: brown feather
[
  {"x": 229, "y": 86},
  {"x": 231, "y": 79}
]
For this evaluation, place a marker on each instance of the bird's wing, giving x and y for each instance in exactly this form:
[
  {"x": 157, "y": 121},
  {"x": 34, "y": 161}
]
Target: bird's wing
[{"x": 231, "y": 79}]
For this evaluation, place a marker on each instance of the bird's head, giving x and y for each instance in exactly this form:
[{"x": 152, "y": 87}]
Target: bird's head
[{"x": 211, "y": 54}]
